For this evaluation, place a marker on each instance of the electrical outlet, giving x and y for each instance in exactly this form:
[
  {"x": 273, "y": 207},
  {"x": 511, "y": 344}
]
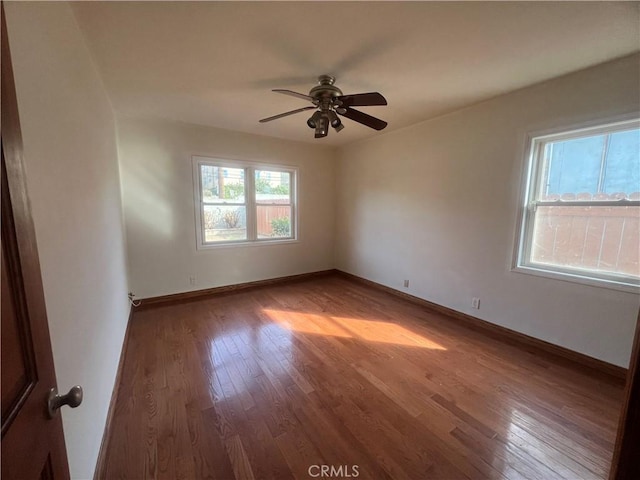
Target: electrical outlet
[
  {"x": 475, "y": 303},
  {"x": 406, "y": 284},
  {"x": 192, "y": 280}
]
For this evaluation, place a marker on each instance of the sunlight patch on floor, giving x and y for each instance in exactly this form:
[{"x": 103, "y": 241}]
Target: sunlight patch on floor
[
  {"x": 386, "y": 332},
  {"x": 370, "y": 330},
  {"x": 307, "y": 323}
]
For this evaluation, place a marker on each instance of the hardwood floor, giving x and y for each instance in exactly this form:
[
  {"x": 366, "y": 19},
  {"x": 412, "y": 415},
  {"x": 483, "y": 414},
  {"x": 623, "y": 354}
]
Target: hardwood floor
[{"x": 267, "y": 383}]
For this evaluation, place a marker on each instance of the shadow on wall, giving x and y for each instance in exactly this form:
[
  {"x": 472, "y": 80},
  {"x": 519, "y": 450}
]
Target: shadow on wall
[{"x": 148, "y": 197}]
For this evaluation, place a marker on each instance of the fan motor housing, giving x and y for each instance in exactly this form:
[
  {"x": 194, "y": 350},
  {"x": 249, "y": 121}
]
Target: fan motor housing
[{"x": 325, "y": 89}]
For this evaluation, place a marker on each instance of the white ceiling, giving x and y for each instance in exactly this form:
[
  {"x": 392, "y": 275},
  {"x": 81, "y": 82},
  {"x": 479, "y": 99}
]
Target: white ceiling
[{"x": 214, "y": 63}]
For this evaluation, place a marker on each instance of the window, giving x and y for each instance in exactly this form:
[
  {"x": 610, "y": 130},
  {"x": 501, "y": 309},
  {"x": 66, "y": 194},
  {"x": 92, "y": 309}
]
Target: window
[
  {"x": 243, "y": 203},
  {"x": 581, "y": 216}
]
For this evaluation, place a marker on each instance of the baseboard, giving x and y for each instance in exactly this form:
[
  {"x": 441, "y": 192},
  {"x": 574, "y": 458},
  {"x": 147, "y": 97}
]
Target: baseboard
[
  {"x": 196, "y": 294},
  {"x": 101, "y": 467},
  {"x": 534, "y": 345}
]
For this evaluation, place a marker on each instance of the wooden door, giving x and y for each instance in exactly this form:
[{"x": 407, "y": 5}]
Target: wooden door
[
  {"x": 626, "y": 456},
  {"x": 32, "y": 442}
]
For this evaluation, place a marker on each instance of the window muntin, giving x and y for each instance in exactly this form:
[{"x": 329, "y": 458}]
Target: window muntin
[
  {"x": 243, "y": 203},
  {"x": 582, "y": 213}
]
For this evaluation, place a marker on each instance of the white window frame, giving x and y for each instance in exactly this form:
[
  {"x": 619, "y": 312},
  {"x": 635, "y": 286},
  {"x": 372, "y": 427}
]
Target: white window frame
[
  {"x": 249, "y": 201},
  {"x": 532, "y": 183}
]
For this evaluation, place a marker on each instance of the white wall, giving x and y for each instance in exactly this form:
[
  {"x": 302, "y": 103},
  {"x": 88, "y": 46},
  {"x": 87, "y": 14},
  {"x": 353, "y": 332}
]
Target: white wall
[
  {"x": 157, "y": 185},
  {"x": 72, "y": 174},
  {"x": 436, "y": 203}
]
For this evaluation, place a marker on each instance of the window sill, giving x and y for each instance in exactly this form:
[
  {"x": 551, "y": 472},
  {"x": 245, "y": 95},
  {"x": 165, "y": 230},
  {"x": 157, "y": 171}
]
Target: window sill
[
  {"x": 247, "y": 243},
  {"x": 540, "y": 271}
]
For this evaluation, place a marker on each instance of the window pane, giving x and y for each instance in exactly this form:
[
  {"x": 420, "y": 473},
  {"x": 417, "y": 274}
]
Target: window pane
[
  {"x": 622, "y": 172},
  {"x": 222, "y": 184},
  {"x": 273, "y": 187},
  {"x": 224, "y": 223},
  {"x": 599, "y": 239},
  {"x": 573, "y": 166},
  {"x": 274, "y": 221},
  {"x": 598, "y": 167}
]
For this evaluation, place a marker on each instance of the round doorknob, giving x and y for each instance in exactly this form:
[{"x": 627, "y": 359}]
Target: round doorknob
[{"x": 55, "y": 401}]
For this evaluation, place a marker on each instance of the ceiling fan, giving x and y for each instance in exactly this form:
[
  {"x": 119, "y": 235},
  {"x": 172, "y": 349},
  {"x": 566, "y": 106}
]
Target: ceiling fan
[{"x": 329, "y": 102}]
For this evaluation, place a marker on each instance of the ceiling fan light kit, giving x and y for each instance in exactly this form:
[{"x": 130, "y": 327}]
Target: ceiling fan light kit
[{"x": 329, "y": 102}]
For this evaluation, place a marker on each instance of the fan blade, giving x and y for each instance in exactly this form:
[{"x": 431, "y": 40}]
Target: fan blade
[
  {"x": 362, "y": 100},
  {"x": 286, "y": 114},
  {"x": 363, "y": 118},
  {"x": 293, "y": 94}
]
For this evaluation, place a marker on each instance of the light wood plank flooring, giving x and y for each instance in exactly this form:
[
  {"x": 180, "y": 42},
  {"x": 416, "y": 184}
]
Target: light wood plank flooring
[{"x": 267, "y": 383}]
